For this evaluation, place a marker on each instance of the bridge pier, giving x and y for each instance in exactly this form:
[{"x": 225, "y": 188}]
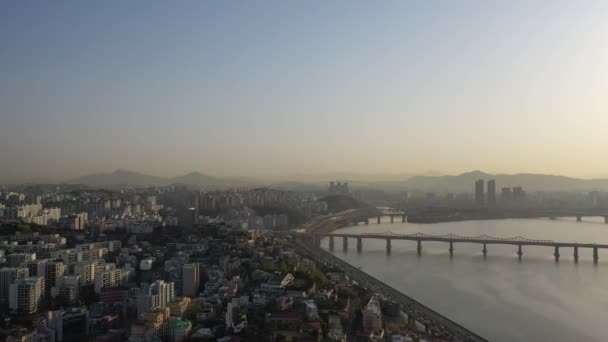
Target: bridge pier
[
  {"x": 519, "y": 252},
  {"x": 427, "y": 329},
  {"x": 379, "y": 219},
  {"x": 451, "y": 248},
  {"x": 392, "y": 218},
  {"x": 331, "y": 243},
  {"x": 367, "y": 220},
  {"x": 388, "y": 246},
  {"x": 556, "y": 254},
  {"x": 359, "y": 244},
  {"x": 403, "y": 218},
  {"x": 595, "y": 255},
  {"x": 485, "y": 250},
  {"x": 345, "y": 243},
  {"x": 579, "y": 218},
  {"x": 419, "y": 248},
  {"x": 356, "y": 223},
  {"x": 575, "y": 254}
]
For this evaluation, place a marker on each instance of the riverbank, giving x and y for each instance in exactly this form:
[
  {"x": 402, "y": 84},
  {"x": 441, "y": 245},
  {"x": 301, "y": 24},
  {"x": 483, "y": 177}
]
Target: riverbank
[{"x": 436, "y": 326}]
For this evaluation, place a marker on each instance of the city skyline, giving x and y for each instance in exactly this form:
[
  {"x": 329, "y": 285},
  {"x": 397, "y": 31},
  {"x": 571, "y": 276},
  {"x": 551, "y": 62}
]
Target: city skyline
[
  {"x": 272, "y": 170},
  {"x": 269, "y": 89},
  {"x": 311, "y": 178}
]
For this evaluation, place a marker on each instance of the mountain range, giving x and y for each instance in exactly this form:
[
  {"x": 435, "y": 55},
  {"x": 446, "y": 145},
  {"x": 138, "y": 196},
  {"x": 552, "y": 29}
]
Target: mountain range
[
  {"x": 465, "y": 182},
  {"x": 130, "y": 178},
  {"x": 430, "y": 182}
]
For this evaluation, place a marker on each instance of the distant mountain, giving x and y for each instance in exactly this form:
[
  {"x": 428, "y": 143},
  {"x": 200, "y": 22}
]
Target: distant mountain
[
  {"x": 135, "y": 179},
  {"x": 300, "y": 186},
  {"x": 458, "y": 183},
  {"x": 530, "y": 182},
  {"x": 203, "y": 180},
  {"x": 119, "y": 177},
  {"x": 195, "y": 178}
]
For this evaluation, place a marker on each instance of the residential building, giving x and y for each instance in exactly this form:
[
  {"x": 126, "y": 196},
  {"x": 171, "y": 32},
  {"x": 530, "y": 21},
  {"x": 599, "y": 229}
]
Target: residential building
[
  {"x": 191, "y": 279},
  {"x": 479, "y": 193},
  {"x": 55, "y": 271},
  {"x": 109, "y": 278},
  {"x": 25, "y": 295},
  {"x": 7, "y": 277},
  {"x": 158, "y": 294},
  {"x": 19, "y": 259},
  {"x": 491, "y": 196},
  {"x": 372, "y": 316}
]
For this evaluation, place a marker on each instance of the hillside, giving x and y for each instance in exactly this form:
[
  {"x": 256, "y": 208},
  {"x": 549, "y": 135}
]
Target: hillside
[
  {"x": 465, "y": 183},
  {"x": 129, "y": 178},
  {"x": 119, "y": 177}
]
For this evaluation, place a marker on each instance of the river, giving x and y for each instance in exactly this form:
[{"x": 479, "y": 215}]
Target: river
[{"x": 499, "y": 297}]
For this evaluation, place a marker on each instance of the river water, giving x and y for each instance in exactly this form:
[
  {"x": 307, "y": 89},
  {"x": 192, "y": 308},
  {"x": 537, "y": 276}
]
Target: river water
[{"x": 499, "y": 297}]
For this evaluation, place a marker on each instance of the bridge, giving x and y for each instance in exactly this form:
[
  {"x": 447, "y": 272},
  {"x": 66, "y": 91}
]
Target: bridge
[
  {"x": 579, "y": 217},
  {"x": 434, "y": 323},
  {"x": 367, "y": 215},
  {"x": 330, "y": 222},
  {"x": 578, "y": 214},
  {"x": 451, "y": 239}
]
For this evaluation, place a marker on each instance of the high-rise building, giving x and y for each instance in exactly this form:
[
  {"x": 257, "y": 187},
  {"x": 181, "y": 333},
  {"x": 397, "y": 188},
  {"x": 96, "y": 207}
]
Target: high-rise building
[
  {"x": 372, "y": 316},
  {"x": 491, "y": 198},
  {"x": 7, "y": 277},
  {"x": 86, "y": 270},
  {"x": 151, "y": 203},
  {"x": 158, "y": 294},
  {"x": 37, "y": 268},
  {"x": 19, "y": 259},
  {"x": 78, "y": 221},
  {"x": 282, "y": 221},
  {"x": 270, "y": 221},
  {"x": 69, "y": 290},
  {"x": 54, "y": 214},
  {"x": 479, "y": 198},
  {"x": 106, "y": 279},
  {"x": 518, "y": 193},
  {"x": 55, "y": 271},
  {"x": 338, "y": 188},
  {"x": 191, "y": 279},
  {"x": 165, "y": 292},
  {"x": 506, "y": 195},
  {"x": 25, "y": 295}
]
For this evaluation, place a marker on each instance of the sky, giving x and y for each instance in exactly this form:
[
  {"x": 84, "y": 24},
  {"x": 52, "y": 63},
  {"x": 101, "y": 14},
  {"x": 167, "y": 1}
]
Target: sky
[{"x": 287, "y": 88}]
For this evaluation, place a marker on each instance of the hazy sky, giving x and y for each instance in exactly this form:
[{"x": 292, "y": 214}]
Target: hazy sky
[{"x": 290, "y": 87}]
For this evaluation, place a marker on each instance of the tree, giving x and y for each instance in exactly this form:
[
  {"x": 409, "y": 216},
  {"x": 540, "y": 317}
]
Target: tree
[
  {"x": 269, "y": 267},
  {"x": 283, "y": 268},
  {"x": 319, "y": 278}
]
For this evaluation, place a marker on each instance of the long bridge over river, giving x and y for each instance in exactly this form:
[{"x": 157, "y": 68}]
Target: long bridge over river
[
  {"x": 452, "y": 239},
  {"x": 323, "y": 227},
  {"x": 308, "y": 239}
]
